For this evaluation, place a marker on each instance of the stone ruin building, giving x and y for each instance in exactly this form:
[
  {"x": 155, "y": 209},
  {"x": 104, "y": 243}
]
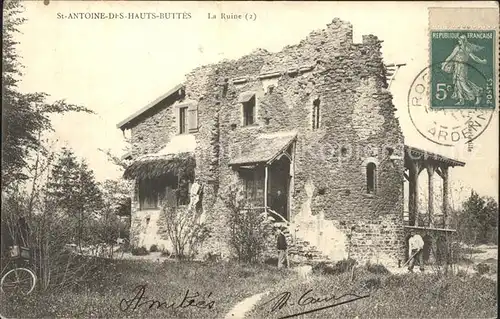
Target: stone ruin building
[{"x": 315, "y": 122}]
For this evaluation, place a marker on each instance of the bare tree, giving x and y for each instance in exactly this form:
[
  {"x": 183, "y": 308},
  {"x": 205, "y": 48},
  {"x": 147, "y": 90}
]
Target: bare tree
[{"x": 184, "y": 230}]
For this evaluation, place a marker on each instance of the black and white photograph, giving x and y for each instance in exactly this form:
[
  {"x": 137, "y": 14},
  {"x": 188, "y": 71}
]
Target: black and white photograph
[{"x": 260, "y": 159}]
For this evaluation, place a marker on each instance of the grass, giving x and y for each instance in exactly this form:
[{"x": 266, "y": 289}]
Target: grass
[
  {"x": 223, "y": 283},
  {"x": 390, "y": 296},
  {"x": 471, "y": 250}
]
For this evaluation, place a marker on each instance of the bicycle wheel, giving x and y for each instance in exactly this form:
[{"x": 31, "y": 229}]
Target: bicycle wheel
[{"x": 18, "y": 281}]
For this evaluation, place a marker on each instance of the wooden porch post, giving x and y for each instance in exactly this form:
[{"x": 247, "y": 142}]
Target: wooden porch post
[
  {"x": 430, "y": 201},
  {"x": 266, "y": 174},
  {"x": 411, "y": 199},
  {"x": 446, "y": 185},
  {"x": 414, "y": 172}
]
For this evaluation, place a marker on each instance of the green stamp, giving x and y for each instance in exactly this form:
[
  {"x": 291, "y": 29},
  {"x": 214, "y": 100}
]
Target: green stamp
[{"x": 463, "y": 69}]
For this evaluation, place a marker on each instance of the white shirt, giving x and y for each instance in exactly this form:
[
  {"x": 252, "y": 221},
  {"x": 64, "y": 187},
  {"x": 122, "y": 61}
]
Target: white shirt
[{"x": 415, "y": 242}]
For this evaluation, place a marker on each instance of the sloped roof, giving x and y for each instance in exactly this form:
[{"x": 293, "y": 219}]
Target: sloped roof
[
  {"x": 160, "y": 165},
  {"x": 177, "y": 157},
  {"x": 264, "y": 149},
  {"x": 132, "y": 117},
  {"x": 430, "y": 155}
]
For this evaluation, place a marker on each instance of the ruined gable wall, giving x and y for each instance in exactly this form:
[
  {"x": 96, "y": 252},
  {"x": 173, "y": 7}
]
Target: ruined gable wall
[
  {"x": 356, "y": 112},
  {"x": 361, "y": 118}
]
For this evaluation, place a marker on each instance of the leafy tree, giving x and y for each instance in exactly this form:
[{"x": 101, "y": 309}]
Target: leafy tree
[
  {"x": 74, "y": 192},
  {"x": 478, "y": 218},
  {"x": 117, "y": 192},
  {"x": 64, "y": 180},
  {"x": 25, "y": 116},
  {"x": 117, "y": 200},
  {"x": 116, "y": 195}
]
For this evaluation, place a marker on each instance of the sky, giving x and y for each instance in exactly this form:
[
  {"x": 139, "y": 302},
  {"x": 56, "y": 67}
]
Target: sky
[{"x": 116, "y": 67}]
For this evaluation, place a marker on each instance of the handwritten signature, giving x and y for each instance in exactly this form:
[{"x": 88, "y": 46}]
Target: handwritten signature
[
  {"x": 190, "y": 299},
  {"x": 283, "y": 299}
]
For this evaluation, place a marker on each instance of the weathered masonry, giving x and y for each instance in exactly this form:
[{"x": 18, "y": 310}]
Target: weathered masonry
[{"x": 308, "y": 132}]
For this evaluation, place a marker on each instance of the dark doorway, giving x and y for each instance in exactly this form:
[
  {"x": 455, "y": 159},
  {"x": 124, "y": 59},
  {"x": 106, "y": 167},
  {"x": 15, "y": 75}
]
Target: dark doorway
[{"x": 279, "y": 186}]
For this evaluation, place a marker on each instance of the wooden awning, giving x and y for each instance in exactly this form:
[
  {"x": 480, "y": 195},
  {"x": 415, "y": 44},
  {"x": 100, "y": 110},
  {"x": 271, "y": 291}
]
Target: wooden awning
[
  {"x": 416, "y": 153},
  {"x": 264, "y": 149}
]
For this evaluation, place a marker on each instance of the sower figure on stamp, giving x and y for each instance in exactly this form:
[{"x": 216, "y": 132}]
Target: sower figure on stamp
[
  {"x": 416, "y": 246},
  {"x": 282, "y": 248},
  {"x": 456, "y": 63}
]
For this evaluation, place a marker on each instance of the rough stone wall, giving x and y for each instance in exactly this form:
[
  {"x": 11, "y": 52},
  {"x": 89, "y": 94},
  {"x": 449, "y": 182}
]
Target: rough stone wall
[{"x": 329, "y": 199}]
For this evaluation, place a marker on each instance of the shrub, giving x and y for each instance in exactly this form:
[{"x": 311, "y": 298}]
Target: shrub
[
  {"x": 165, "y": 253},
  {"x": 185, "y": 230},
  {"x": 339, "y": 267},
  {"x": 323, "y": 268},
  {"x": 139, "y": 251},
  {"x": 345, "y": 265},
  {"x": 271, "y": 261},
  {"x": 153, "y": 248},
  {"x": 461, "y": 254},
  {"x": 493, "y": 264},
  {"x": 372, "y": 283},
  {"x": 213, "y": 257},
  {"x": 250, "y": 230},
  {"x": 482, "y": 268},
  {"x": 377, "y": 269},
  {"x": 462, "y": 273},
  {"x": 49, "y": 233}
]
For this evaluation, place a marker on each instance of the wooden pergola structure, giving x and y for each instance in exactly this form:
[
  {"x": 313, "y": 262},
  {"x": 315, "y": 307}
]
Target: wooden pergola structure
[{"x": 415, "y": 161}]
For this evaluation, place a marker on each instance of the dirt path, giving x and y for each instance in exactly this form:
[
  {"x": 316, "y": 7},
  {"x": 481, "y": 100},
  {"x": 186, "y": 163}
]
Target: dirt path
[
  {"x": 489, "y": 253},
  {"x": 244, "y": 306}
]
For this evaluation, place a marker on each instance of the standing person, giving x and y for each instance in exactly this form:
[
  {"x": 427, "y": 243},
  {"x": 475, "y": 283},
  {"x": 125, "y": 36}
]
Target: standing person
[
  {"x": 416, "y": 246},
  {"x": 278, "y": 203},
  {"x": 282, "y": 247}
]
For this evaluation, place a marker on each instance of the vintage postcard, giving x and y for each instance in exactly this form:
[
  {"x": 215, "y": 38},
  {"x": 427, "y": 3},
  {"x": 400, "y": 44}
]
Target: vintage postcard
[{"x": 168, "y": 159}]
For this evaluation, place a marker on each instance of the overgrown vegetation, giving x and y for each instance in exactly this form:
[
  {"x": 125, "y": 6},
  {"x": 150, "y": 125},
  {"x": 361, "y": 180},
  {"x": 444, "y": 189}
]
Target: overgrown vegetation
[
  {"x": 377, "y": 269},
  {"x": 250, "y": 230},
  {"x": 139, "y": 251},
  {"x": 166, "y": 282},
  {"x": 25, "y": 116},
  {"x": 185, "y": 230},
  {"x": 51, "y": 201},
  {"x": 477, "y": 220},
  {"x": 388, "y": 296},
  {"x": 339, "y": 267}
]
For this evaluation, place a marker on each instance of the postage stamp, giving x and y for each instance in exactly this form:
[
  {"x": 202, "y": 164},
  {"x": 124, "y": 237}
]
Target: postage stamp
[
  {"x": 463, "y": 67},
  {"x": 452, "y": 100},
  {"x": 444, "y": 126}
]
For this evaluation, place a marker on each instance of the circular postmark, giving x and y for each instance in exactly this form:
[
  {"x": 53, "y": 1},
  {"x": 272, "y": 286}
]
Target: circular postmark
[{"x": 451, "y": 125}]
